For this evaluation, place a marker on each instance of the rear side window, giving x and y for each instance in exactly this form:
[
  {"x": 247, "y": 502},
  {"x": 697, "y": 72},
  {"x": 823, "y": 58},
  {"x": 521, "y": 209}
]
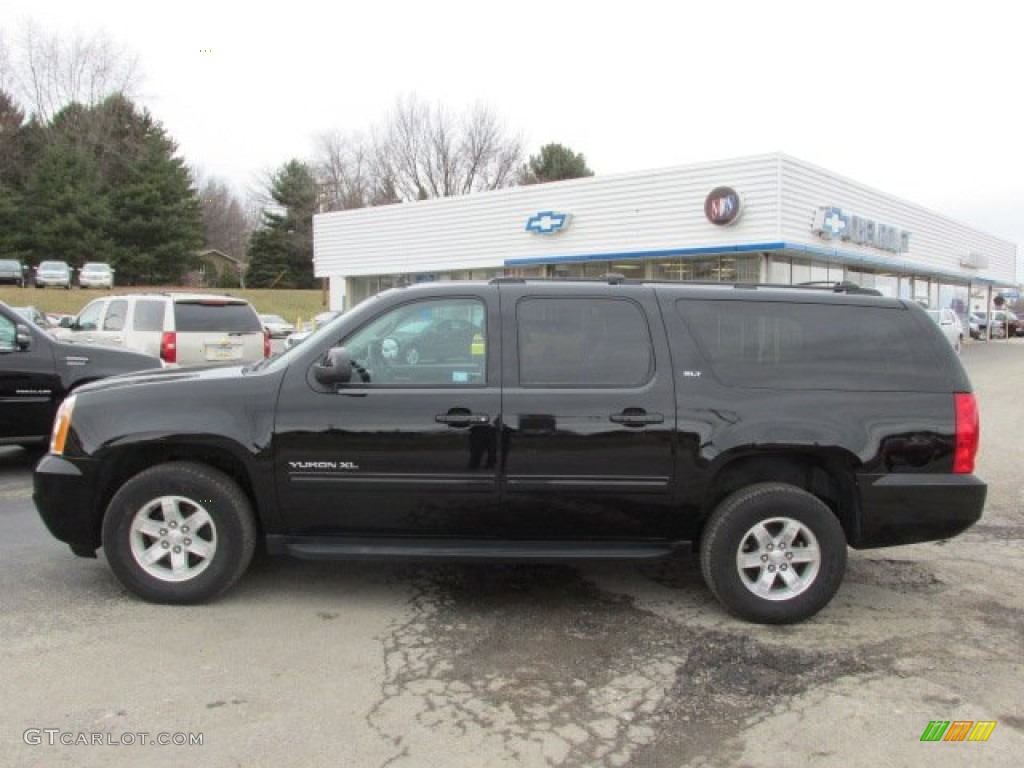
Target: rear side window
[
  {"x": 196, "y": 317},
  {"x": 114, "y": 319},
  {"x": 567, "y": 342},
  {"x": 149, "y": 315},
  {"x": 780, "y": 345}
]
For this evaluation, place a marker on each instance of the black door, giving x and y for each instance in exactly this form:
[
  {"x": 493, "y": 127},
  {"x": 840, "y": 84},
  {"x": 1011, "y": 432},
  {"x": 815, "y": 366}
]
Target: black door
[
  {"x": 589, "y": 414},
  {"x": 410, "y": 445},
  {"x": 29, "y": 387}
]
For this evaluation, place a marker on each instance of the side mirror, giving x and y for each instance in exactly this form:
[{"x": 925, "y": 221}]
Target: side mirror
[
  {"x": 335, "y": 368},
  {"x": 67, "y": 322},
  {"x": 23, "y": 337}
]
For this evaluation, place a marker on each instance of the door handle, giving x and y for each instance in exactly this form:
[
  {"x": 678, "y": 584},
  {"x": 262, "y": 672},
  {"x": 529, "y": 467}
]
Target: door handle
[
  {"x": 636, "y": 417},
  {"x": 461, "y": 418}
]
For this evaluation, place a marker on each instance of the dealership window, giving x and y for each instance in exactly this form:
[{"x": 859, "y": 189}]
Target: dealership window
[
  {"x": 780, "y": 270},
  {"x": 667, "y": 269}
]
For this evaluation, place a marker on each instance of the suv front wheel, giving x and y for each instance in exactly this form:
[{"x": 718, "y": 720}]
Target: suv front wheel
[
  {"x": 179, "y": 533},
  {"x": 773, "y": 553}
]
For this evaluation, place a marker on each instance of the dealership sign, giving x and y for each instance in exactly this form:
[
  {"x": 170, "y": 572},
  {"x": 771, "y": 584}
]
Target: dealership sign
[
  {"x": 723, "y": 206},
  {"x": 548, "y": 222},
  {"x": 833, "y": 223}
]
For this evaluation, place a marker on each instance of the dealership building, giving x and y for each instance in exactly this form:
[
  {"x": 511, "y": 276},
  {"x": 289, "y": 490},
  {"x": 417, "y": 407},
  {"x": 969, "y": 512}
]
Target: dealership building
[{"x": 768, "y": 218}]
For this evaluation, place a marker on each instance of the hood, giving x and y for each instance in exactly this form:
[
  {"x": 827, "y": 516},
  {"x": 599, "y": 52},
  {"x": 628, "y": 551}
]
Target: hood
[{"x": 163, "y": 376}]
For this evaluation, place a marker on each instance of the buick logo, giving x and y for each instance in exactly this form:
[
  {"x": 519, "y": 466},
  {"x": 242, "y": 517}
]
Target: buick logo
[{"x": 722, "y": 206}]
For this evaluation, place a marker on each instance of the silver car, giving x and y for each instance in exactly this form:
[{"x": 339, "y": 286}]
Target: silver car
[
  {"x": 96, "y": 274},
  {"x": 179, "y": 328},
  {"x": 53, "y": 273},
  {"x": 950, "y": 324}
]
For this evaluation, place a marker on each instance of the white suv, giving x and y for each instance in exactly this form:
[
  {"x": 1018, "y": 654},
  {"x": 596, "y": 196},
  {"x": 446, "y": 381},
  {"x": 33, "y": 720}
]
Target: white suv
[{"x": 179, "y": 328}]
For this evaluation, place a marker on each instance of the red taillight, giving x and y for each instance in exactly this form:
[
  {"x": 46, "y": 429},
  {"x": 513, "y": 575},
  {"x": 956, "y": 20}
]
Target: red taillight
[
  {"x": 968, "y": 432},
  {"x": 266, "y": 343},
  {"x": 169, "y": 347}
]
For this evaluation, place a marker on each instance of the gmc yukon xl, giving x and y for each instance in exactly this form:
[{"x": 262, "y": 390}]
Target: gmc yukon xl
[{"x": 767, "y": 427}]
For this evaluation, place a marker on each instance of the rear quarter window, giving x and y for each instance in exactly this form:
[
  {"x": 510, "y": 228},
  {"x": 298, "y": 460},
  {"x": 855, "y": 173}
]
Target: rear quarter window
[
  {"x": 783, "y": 345},
  {"x": 192, "y": 317},
  {"x": 149, "y": 315}
]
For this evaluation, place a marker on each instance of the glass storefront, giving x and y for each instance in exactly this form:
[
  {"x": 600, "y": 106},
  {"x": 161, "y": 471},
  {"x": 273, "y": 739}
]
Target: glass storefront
[{"x": 773, "y": 268}]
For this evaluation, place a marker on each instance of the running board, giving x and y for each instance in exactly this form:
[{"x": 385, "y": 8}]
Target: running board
[{"x": 386, "y": 548}]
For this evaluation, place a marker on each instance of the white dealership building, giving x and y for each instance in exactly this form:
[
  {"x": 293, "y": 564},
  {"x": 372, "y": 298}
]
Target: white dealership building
[{"x": 769, "y": 218}]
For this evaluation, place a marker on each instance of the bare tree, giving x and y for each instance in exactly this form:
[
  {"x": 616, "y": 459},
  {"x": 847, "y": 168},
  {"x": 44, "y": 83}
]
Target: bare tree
[
  {"x": 427, "y": 152},
  {"x": 345, "y": 172},
  {"x": 6, "y": 70},
  {"x": 226, "y": 224},
  {"x": 53, "y": 72}
]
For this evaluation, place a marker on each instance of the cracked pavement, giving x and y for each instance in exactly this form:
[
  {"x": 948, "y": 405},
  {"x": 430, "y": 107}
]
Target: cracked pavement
[{"x": 610, "y": 664}]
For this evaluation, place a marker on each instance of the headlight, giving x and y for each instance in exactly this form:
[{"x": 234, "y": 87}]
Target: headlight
[{"x": 61, "y": 425}]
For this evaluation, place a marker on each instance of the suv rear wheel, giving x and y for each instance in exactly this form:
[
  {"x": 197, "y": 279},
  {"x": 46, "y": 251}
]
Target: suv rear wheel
[
  {"x": 773, "y": 553},
  {"x": 179, "y": 533}
]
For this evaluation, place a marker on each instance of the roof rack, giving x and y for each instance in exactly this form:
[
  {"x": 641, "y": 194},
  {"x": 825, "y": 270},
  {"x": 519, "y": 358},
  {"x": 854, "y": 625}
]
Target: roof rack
[{"x": 842, "y": 286}]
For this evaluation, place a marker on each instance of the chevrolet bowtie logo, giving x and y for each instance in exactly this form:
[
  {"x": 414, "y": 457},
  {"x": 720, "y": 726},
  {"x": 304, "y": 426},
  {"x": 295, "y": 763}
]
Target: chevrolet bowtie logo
[{"x": 548, "y": 222}]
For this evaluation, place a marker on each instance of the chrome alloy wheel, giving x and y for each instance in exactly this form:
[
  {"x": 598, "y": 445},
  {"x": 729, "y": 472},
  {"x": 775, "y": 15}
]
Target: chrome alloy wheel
[
  {"x": 173, "y": 538},
  {"x": 778, "y": 558}
]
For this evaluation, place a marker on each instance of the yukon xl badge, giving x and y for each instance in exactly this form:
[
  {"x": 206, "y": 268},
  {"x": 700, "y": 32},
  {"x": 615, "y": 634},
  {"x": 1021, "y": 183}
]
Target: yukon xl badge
[{"x": 322, "y": 465}]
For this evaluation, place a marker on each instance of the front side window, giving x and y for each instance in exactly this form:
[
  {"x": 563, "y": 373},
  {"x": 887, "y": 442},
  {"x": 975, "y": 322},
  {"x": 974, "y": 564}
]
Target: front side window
[
  {"x": 434, "y": 343},
  {"x": 566, "y": 342},
  {"x": 8, "y": 335},
  {"x": 89, "y": 319}
]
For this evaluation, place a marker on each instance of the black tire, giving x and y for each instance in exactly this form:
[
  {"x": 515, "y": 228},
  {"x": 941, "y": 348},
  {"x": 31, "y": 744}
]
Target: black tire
[
  {"x": 781, "y": 584},
  {"x": 208, "y": 559}
]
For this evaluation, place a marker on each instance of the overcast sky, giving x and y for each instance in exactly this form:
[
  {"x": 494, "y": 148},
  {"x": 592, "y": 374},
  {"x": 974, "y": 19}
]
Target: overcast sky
[{"x": 918, "y": 100}]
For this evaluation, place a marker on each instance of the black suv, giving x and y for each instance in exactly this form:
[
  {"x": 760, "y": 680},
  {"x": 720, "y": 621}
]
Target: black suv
[{"x": 770, "y": 427}]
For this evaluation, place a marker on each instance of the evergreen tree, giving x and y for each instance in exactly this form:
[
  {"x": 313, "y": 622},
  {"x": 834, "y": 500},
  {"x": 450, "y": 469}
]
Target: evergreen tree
[
  {"x": 281, "y": 250},
  {"x": 554, "y": 163},
  {"x": 108, "y": 186}
]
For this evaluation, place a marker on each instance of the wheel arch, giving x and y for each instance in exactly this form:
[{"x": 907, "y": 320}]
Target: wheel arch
[
  {"x": 125, "y": 462},
  {"x": 828, "y": 475}
]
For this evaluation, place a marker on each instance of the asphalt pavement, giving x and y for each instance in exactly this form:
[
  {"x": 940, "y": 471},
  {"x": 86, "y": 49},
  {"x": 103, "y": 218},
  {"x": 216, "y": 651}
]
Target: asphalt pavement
[{"x": 376, "y": 664}]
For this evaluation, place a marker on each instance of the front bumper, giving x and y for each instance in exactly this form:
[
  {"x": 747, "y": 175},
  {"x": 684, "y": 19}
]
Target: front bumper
[
  {"x": 64, "y": 494},
  {"x": 907, "y": 508}
]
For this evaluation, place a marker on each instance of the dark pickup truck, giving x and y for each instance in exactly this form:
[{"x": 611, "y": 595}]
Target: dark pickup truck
[{"x": 767, "y": 427}]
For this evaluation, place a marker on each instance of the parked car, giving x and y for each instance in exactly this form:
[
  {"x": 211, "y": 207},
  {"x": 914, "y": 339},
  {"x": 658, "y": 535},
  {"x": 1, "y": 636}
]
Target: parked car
[
  {"x": 37, "y": 372},
  {"x": 179, "y": 328},
  {"x": 96, "y": 274},
  {"x": 431, "y": 340},
  {"x": 950, "y": 325},
  {"x": 53, "y": 273},
  {"x": 277, "y": 326},
  {"x": 1001, "y": 321},
  {"x": 318, "y": 321},
  {"x": 12, "y": 272},
  {"x": 770, "y": 428}
]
